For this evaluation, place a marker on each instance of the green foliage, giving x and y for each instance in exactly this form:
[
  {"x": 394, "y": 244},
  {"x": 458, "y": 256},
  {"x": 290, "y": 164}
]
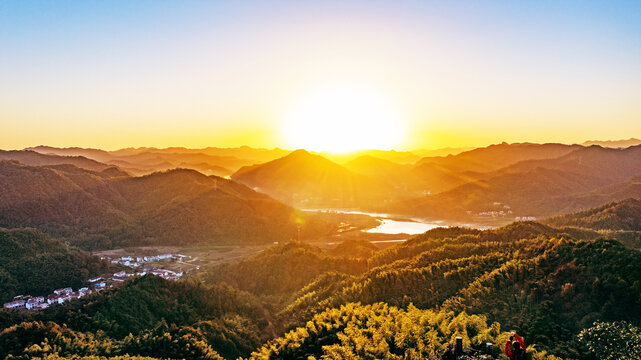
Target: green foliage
[
  {"x": 380, "y": 331},
  {"x": 31, "y": 340},
  {"x": 548, "y": 289},
  {"x": 94, "y": 210},
  {"x": 150, "y": 308},
  {"x": 354, "y": 248},
  {"x": 283, "y": 269},
  {"x": 35, "y": 264},
  {"x": 409, "y": 301},
  {"x": 617, "y": 220},
  {"x": 170, "y": 342},
  {"x": 614, "y": 340},
  {"x": 623, "y": 215}
]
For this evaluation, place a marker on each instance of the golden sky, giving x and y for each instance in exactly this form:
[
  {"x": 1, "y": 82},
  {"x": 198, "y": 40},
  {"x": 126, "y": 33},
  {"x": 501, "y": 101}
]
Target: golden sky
[{"x": 197, "y": 74}]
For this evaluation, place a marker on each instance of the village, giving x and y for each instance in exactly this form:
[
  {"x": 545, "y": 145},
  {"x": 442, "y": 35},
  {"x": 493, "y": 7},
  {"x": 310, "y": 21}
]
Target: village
[
  {"x": 140, "y": 265},
  {"x": 140, "y": 261},
  {"x": 501, "y": 210}
]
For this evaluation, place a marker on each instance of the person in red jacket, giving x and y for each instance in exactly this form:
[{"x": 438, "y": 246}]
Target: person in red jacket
[{"x": 515, "y": 347}]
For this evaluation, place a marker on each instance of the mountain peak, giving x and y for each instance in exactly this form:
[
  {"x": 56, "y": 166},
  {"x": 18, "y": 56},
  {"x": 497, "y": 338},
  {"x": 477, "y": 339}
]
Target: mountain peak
[{"x": 299, "y": 152}]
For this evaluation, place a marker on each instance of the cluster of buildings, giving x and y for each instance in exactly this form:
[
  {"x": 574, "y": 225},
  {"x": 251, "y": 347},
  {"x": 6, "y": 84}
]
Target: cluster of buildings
[
  {"x": 525, "y": 218},
  {"x": 134, "y": 262},
  {"x": 499, "y": 213},
  {"x": 141, "y": 264},
  {"x": 500, "y": 210},
  {"x": 165, "y": 274},
  {"x": 58, "y": 296}
]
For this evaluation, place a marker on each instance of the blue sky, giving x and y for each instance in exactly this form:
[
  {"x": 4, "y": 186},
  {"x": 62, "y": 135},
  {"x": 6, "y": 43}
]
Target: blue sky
[{"x": 118, "y": 73}]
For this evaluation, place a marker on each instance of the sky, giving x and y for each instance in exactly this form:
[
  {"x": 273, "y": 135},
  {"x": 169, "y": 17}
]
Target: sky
[{"x": 113, "y": 74}]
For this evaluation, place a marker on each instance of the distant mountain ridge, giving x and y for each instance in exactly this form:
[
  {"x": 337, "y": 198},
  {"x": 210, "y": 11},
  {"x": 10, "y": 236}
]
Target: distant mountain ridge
[
  {"x": 537, "y": 187},
  {"x": 613, "y": 143},
  {"x": 142, "y": 161},
  {"x": 30, "y": 157},
  {"x": 213, "y": 160},
  {"x": 494, "y": 157},
  {"x": 312, "y": 179},
  {"x": 495, "y": 183}
]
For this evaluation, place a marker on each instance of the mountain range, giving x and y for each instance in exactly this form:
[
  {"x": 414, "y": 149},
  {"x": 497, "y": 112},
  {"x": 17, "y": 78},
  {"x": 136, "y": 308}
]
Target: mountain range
[
  {"x": 142, "y": 161},
  {"x": 613, "y": 143},
  {"x": 495, "y": 184},
  {"x": 583, "y": 178},
  {"x": 110, "y": 208},
  {"x": 567, "y": 283}
]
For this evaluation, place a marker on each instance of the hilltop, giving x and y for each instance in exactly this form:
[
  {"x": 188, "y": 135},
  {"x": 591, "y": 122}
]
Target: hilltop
[{"x": 309, "y": 180}]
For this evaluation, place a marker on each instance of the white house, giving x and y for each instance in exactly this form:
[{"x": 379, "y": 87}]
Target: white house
[
  {"x": 34, "y": 302},
  {"x": 16, "y": 304},
  {"x": 66, "y": 290}
]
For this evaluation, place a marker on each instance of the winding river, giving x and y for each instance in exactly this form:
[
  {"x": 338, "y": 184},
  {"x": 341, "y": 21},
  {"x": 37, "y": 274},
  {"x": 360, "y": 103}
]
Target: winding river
[{"x": 389, "y": 225}]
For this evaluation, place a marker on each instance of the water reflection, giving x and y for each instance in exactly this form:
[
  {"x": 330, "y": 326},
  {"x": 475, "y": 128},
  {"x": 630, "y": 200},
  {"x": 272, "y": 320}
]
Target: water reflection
[{"x": 388, "y": 226}]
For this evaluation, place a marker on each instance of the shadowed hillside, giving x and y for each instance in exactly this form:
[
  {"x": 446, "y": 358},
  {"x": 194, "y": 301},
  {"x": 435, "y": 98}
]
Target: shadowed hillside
[
  {"x": 497, "y": 156},
  {"x": 623, "y": 215},
  {"x": 34, "y": 263},
  {"x": 583, "y": 178},
  {"x": 175, "y": 207}
]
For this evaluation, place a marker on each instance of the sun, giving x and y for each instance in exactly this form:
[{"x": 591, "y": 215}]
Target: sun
[{"x": 342, "y": 118}]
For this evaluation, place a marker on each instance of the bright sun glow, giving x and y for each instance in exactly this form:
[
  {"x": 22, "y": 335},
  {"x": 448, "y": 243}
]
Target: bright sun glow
[{"x": 342, "y": 118}]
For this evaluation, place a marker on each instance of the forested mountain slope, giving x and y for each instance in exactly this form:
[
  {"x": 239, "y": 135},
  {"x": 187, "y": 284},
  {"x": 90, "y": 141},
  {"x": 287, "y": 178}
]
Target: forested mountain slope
[
  {"x": 95, "y": 209},
  {"x": 559, "y": 287},
  {"x": 34, "y": 263},
  {"x": 148, "y": 316},
  {"x": 522, "y": 277},
  {"x": 622, "y": 215},
  {"x": 583, "y": 178}
]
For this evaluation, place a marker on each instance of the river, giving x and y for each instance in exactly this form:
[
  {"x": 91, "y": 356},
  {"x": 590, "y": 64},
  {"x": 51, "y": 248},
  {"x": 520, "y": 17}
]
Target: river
[{"x": 390, "y": 225}]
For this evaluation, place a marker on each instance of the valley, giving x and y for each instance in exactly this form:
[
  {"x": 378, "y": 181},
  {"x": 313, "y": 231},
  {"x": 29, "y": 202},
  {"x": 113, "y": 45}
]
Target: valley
[{"x": 250, "y": 272}]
